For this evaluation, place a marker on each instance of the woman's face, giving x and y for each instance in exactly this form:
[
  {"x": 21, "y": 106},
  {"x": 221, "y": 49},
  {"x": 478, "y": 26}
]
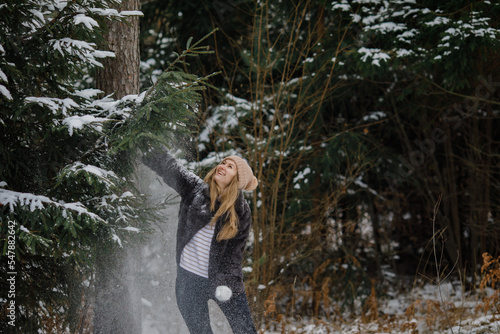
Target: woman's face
[{"x": 225, "y": 172}]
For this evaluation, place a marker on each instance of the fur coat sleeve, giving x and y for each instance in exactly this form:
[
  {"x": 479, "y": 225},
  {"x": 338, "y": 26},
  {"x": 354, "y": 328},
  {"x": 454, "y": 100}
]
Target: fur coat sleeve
[{"x": 172, "y": 172}]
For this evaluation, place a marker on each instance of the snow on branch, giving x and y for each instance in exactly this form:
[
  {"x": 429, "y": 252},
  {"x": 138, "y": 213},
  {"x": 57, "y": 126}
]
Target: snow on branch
[
  {"x": 131, "y": 13},
  {"x": 14, "y": 199},
  {"x": 386, "y": 27},
  {"x": 89, "y": 22},
  {"x": 54, "y": 104},
  {"x": 5, "y": 92},
  {"x": 224, "y": 119},
  {"x": 375, "y": 54},
  {"x": 67, "y": 105},
  {"x": 3, "y": 77},
  {"x": 87, "y": 94},
  {"x": 78, "y": 122},
  {"x": 85, "y": 51},
  {"x": 106, "y": 177}
]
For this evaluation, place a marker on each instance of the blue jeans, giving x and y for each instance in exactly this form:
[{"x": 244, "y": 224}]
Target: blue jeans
[{"x": 192, "y": 292}]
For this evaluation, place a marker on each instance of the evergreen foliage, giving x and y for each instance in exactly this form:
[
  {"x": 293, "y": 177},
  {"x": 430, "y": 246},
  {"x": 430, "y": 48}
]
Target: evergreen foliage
[{"x": 67, "y": 154}]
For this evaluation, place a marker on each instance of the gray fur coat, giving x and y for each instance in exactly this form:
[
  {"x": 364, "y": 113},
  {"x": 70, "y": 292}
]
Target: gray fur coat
[{"x": 226, "y": 256}]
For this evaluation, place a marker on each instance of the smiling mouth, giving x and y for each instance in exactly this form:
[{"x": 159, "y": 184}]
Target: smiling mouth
[{"x": 220, "y": 172}]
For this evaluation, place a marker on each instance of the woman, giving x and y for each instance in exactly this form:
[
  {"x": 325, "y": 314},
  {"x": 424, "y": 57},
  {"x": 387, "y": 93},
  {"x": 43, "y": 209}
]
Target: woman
[{"x": 214, "y": 223}]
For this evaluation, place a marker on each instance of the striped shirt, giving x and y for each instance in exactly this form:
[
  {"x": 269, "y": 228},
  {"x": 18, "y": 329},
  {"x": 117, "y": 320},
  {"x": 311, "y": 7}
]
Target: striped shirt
[{"x": 194, "y": 257}]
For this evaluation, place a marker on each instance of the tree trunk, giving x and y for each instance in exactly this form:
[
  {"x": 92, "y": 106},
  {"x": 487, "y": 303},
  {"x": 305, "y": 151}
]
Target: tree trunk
[
  {"x": 120, "y": 75},
  {"x": 117, "y": 301},
  {"x": 451, "y": 217}
]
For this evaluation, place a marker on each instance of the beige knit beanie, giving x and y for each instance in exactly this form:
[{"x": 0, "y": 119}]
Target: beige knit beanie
[{"x": 246, "y": 180}]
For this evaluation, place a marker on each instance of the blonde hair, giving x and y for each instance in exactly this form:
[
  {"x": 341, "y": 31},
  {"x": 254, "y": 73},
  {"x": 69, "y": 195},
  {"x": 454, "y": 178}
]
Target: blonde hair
[{"x": 227, "y": 199}]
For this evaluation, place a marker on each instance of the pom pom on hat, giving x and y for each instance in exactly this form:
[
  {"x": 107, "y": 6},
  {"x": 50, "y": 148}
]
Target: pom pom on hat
[{"x": 246, "y": 179}]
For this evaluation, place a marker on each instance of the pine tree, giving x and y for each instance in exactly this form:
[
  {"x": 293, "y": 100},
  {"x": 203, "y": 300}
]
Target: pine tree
[
  {"x": 67, "y": 155},
  {"x": 435, "y": 64}
]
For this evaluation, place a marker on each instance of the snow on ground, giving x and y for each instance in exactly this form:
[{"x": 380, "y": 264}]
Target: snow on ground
[{"x": 430, "y": 308}]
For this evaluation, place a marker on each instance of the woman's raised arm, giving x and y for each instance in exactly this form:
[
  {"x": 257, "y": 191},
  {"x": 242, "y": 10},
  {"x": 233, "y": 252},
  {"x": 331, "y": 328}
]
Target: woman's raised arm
[{"x": 172, "y": 172}]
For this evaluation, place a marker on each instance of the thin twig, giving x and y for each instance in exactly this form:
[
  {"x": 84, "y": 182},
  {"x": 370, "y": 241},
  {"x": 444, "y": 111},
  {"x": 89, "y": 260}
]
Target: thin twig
[{"x": 438, "y": 269}]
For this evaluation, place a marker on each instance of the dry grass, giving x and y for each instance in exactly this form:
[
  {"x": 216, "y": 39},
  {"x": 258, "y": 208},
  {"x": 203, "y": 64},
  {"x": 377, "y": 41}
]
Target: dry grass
[{"x": 420, "y": 312}]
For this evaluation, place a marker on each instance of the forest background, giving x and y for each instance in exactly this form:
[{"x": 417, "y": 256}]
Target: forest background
[{"x": 371, "y": 125}]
